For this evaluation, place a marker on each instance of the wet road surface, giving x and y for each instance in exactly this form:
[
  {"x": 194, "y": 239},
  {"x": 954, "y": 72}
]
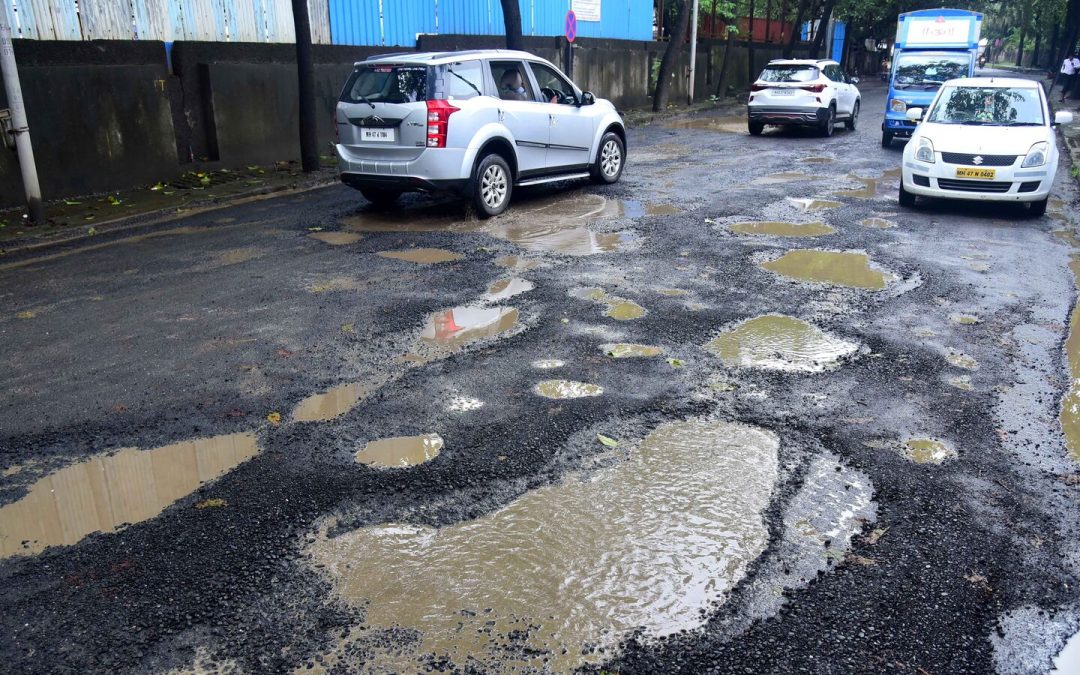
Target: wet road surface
[{"x": 738, "y": 411}]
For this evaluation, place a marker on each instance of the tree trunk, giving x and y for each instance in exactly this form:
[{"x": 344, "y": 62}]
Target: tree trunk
[
  {"x": 1072, "y": 31},
  {"x": 800, "y": 13},
  {"x": 1053, "y": 47},
  {"x": 768, "y": 21},
  {"x": 667, "y": 63},
  {"x": 512, "y": 23},
  {"x": 729, "y": 47},
  {"x": 1023, "y": 36},
  {"x": 1037, "y": 51},
  {"x": 305, "y": 75},
  {"x": 750, "y": 45},
  {"x": 823, "y": 30}
]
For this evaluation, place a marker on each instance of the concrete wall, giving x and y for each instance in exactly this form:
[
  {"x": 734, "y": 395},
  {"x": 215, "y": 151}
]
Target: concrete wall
[{"x": 110, "y": 115}]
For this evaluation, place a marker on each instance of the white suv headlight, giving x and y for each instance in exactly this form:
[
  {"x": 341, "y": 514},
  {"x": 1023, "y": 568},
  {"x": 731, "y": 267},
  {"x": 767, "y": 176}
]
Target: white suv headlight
[
  {"x": 1036, "y": 156},
  {"x": 925, "y": 151}
]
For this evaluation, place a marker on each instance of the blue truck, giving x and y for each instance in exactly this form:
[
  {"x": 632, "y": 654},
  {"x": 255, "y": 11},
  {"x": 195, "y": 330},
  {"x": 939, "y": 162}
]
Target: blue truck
[{"x": 932, "y": 46}]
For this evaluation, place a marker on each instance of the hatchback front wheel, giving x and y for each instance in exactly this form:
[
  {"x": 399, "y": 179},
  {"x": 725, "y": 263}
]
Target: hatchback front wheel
[{"x": 491, "y": 186}]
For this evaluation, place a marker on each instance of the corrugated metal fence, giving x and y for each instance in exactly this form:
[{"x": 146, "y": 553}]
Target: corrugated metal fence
[
  {"x": 348, "y": 22},
  {"x": 397, "y": 22},
  {"x": 167, "y": 20}
]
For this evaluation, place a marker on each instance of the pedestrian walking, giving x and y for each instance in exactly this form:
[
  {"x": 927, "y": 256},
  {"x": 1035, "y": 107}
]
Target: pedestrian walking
[{"x": 1068, "y": 72}]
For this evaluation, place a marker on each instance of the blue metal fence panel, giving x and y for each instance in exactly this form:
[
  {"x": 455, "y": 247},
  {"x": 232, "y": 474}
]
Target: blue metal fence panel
[
  {"x": 402, "y": 20},
  {"x": 839, "y": 33}
]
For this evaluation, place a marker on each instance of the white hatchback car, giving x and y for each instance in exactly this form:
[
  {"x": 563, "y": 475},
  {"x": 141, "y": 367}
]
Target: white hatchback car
[
  {"x": 984, "y": 138},
  {"x": 803, "y": 92}
]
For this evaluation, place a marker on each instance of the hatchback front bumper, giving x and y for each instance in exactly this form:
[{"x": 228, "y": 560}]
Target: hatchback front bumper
[{"x": 1010, "y": 183}]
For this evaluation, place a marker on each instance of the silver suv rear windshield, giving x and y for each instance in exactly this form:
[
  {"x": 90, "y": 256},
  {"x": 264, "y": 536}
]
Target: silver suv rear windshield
[
  {"x": 387, "y": 84},
  {"x": 789, "y": 74}
]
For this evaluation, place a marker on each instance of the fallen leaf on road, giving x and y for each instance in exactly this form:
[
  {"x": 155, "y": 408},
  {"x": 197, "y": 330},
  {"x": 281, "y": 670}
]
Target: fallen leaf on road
[
  {"x": 26, "y": 314},
  {"x": 284, "y": 353},
  {"x": 860, "y": 560},
  {"x": 348, "y": 328},
  {"x": 274, "y": 418},
  {"x": 608, "y": 441},
  {"x": 212, "y": 503},
  {"x": 92, "y": 231},
  {"x": 1071, "y": 479},
  {"x": 676, "y": 363},
  {"x": 978, "y": 579},
  {"x": 876, "y": 535}
]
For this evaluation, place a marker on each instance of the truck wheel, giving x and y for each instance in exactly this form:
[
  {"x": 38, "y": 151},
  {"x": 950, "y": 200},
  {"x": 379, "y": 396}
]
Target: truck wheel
[
  {"x": 491, "y": 186},
  {"x": 380, "y": 196},
  {"x": 826, "y": 127},
  {"x": 907, "y": 200},
  {"x": 755, "y": 128},
  {"x": 610, "y": 159},
  {"x": 886, "y": 139}
]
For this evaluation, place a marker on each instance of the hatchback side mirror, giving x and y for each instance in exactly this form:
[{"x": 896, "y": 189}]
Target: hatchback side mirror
[
  {"x": 914, "y": 114},
  {"x": 587, "y": 98},
  {"x": 1063, "y": 117}
]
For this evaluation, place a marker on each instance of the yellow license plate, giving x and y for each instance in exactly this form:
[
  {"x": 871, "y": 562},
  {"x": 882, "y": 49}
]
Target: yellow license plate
[{"x": 984, "y": 174}]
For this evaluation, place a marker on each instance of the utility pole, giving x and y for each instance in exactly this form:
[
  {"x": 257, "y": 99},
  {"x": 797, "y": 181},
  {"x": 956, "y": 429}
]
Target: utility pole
[
  {"x": 693, "y": 53},
  {"x": 10, "y": 71},
  {"x": 305, "y": 71}
]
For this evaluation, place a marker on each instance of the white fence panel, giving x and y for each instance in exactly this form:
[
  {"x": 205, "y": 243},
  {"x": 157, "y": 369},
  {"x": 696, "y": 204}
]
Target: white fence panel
[{"x": 106, "y": 20}]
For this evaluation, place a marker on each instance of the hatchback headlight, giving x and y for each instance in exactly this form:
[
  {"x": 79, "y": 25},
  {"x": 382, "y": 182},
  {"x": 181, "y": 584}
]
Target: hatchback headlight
[
  {"x": 897, "y": 106},
  {"x": 1036, "y": 156},
  {"x": 925, "y": 151}
]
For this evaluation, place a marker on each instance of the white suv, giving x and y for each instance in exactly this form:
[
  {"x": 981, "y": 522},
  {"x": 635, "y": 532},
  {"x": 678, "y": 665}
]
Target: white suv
[
  {"x": 477, "y": 123},
  {"x": 803, "y": 92}
]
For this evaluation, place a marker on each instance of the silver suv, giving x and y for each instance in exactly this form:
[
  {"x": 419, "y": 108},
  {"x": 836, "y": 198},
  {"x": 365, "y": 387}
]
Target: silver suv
[{"x": 478, "y": 123}]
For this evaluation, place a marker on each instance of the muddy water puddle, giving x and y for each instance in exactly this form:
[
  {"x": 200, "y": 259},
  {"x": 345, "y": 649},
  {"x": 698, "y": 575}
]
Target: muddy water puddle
[
  {"x": 867, "y": 191},
  {"x": 813, "y": 204},
  {"x": 928, "y": 451},
  {"x": 783, "y": 177},
  {"x": 778, "y": 342},
  {"x": 625, "y": 350},
  {"x": 817, "y": 160},
  {"x": 673, "y": 292},
  {"x": 517, "y": 263},
  {"x": 567, "y": 389},
  {"x": 961, "y": 360},
  {"x": 507, "y": 288},
  {"x": 840, "y": 268},
  {"x": 877, "y": 223},
  {"x": 333, "y": 402},
  {"x": 401, "y": 451},
  {"x": 964, "y": 319},
  {"x": 422, "y": 256},
  {"x": 102, "y": 493},
  {"x": 1069, "y": 416},
  {"x": 337, "y": 238},
  {"x": 731, "y": 124},
  {"x": 548, "y": 364},
  {"x": 451, "y": 330},
  {"x": 961, "y": 382},
  {"x": 620, "y": 309},
  {"x": 782, "y": 229},
  {"x": 648, "y": 541}
]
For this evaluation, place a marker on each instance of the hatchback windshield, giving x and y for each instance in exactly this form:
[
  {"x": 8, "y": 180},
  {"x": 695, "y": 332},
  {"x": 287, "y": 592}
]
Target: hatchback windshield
[
  {"x": 927, "y": 71},
  {"x": 789, "y": 74},
  {"x": 386, "y": 84},
  {"x": 990, "y": 106}
]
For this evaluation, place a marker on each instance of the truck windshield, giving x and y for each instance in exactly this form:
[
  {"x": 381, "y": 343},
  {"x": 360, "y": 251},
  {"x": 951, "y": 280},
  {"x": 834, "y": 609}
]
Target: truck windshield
[
  {"x": 386, "y": 84},
  {"x": 988, "y": 106},
  {"x": 926, "y": 72},
  {"x": 792, "y": 73}
]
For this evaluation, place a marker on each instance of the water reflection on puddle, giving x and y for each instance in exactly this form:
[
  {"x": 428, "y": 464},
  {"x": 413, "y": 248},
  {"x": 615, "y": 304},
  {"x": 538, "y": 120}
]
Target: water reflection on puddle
[
  {"x": 648, "y": 541},
  {"x": 877, "y": 223},
  {"x": 517, "y": 263},
  {"x": 867, "y": 191},
  {"x": 422, "y": 256},
  {"x": 567, "y": 389},
  {"x": 620, "y": 309},
  {"x": 813, "y": 204},
  {"x": 332, "y": 403},
  {"x": 961, "y": 360},
  {"x": 783, "y": 177},
  {"x": 337, "y": 238},
  {"x": 400, "y": 452},
  {"x": 840, "y": 268},
  {"x": 782, "y": 229},
  {"x": 507, "y": 288},
  {"x": 625, "y": 350},
  {"x": 106, "y": 491},
  {"x": 778, "y": 342},
  {"x": 732, "y": 124},
  {"x": 451, "y": 330},
  {"x": 928, "y": 451}
]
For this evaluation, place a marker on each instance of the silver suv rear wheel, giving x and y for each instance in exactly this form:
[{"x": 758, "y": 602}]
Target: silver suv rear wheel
[{"x": 491, "y": 186}]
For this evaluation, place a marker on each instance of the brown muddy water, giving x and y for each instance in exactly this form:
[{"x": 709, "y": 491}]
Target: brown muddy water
[
  {"x": 867, "y": 191},
  {"x": 507, "y": 288},
  {"x": 877, "y": 223},
  {"x": 332, "y": 403},
  {"x": 422, "y": 256},
  {"x": 451, "y": 330},
  {"x": 649, "y": 540},
  {"x": 928, "y": 451},
  {"x": 782, "y": 229},
  {"x": 817, "y": 160},
  {"x": 778, "y": 342},
  {"x": 103, "y": 492},
  {"x": 624, "y": 350},
  {"x": 517, "y": 263},
  {"x": 567, "y": 389},
  {"x": 731, "y": 124},
  {"x": 400, "y": 452},
  {"x": 337, "y": 238},
  {"x": 841, "y": 268},
  {"x": 1070, "y": 403},
  {"x": 782, "y": 177},
  {"x": 813, "y": 204},
  {"x": 620, "y": 309}
]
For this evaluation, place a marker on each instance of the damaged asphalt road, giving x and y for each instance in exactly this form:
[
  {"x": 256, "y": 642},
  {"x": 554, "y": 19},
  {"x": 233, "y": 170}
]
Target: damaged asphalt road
[{"x": 737, "y": 413}]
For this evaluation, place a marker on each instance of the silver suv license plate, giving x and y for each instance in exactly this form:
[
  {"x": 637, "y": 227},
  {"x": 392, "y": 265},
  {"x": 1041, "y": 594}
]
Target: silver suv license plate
[{"x": 377, "y": 135}]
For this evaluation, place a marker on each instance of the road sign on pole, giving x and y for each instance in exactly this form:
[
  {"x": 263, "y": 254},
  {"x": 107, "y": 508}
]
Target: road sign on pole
[{"x": 571, "y": 26}]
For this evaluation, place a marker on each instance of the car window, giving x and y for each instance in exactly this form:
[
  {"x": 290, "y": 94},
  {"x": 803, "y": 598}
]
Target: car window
[
  {"x": 780, "y": 73},
  {"x": 988, "y": 106},
  {"x": 386, "y": 84},
  {"x": 512, "y": 80},
  {"x": 834, "y": 73},
  {"x": 464, "y": 80},
  {"x": 554, "y": 88}
]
